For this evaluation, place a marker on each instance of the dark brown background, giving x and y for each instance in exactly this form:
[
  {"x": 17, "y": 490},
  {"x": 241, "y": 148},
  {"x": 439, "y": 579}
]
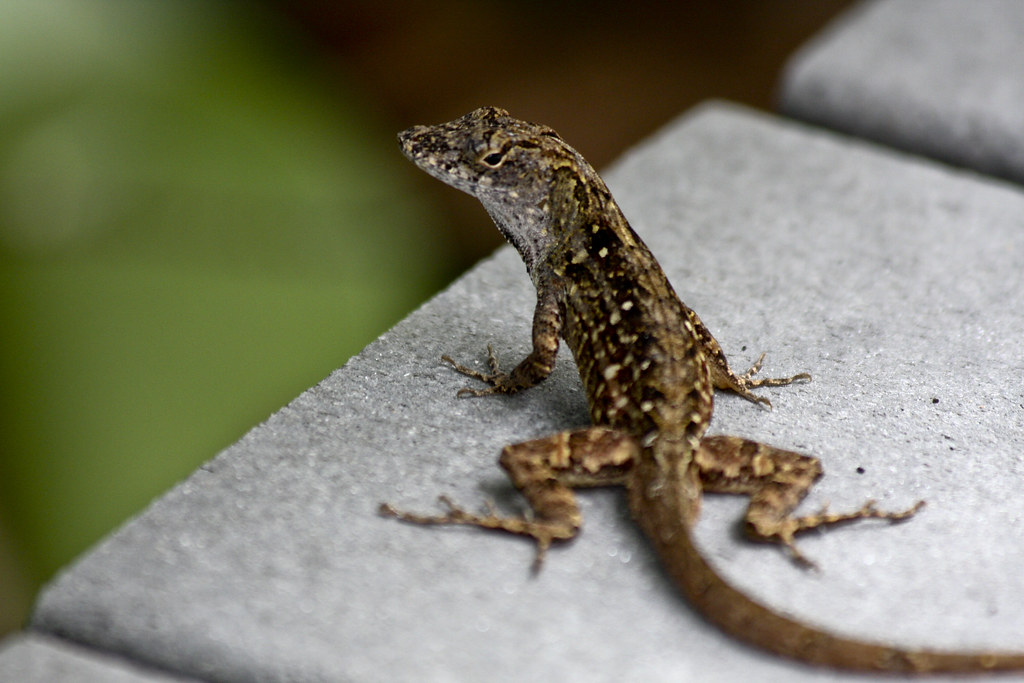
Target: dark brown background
[{"x": 602, "y": 73}]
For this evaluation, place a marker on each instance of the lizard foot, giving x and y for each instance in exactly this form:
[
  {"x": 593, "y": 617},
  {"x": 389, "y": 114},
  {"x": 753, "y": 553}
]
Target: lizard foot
[
  {"x": 543, "y": 533},
  {"x": 724, "y": 378},
  {"x": 500, "y": 382},
  {"x": 747, "y": 380},
  {"x": 823, "y": 518}
]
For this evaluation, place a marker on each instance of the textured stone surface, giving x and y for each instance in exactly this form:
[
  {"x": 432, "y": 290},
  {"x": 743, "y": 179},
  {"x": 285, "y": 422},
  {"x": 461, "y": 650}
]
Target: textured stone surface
[
  {"x": 40, "y": 659},
  {"x": 896, "y": 283},
  {"x": 937, "y": 77}
]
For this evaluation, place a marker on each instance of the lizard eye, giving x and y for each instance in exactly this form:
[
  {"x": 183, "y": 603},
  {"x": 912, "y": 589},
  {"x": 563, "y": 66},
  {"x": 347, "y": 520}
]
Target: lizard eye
[{"x": 493, "y": 159}]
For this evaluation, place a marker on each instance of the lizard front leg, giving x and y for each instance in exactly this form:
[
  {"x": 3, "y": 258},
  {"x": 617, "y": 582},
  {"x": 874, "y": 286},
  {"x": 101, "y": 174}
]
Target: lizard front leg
[
  {"x": 535, "y": 368},
  {"x": 545, "y": 471},
  {"x": 776, "y": 481}
]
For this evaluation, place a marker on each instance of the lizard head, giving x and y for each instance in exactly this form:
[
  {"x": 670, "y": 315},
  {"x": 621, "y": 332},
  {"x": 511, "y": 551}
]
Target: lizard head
[{"x": 515, "y": 168}]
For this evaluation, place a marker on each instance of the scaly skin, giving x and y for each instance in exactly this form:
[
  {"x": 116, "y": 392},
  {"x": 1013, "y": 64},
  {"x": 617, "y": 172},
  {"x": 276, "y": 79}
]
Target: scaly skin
[{"x": 649, "y": 367}]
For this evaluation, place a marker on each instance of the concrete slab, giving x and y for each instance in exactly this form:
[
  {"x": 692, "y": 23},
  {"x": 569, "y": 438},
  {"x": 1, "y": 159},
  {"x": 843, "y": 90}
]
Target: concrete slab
[
  {"x": 28, "y": 658},
  {"x": 936, "y": 77},
  {"x": 896, "y": 283}
]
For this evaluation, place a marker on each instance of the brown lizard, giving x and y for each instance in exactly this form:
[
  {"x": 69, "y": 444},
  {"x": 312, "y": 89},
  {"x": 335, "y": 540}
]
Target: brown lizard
[{"x": 649, "y": 367}]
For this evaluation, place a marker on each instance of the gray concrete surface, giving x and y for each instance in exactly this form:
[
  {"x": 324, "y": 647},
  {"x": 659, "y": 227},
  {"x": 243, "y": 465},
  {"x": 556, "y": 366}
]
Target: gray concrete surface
[
  {"x": 895, "y": 282},
  {"x": 29, "y": 658},
  {"x": 941, "y": 78}
]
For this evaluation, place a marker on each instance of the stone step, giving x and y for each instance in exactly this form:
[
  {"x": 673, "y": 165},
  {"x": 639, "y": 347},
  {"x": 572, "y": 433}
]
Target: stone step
[
  {"x": 941, "y": 78},
  {"x": 894, "y": 281},
  {"x": 33, "y": 658}
]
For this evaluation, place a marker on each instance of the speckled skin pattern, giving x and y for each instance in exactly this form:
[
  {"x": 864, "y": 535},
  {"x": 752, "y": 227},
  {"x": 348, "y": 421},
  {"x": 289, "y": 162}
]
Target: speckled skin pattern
[{"x": 649, "y": 367}]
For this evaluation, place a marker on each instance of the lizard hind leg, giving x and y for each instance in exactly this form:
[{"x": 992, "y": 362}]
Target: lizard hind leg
[
  {"x": 776, "y": 480},
  {"x": 545, "y": 471},
  {"x": 544, "y": 532}
]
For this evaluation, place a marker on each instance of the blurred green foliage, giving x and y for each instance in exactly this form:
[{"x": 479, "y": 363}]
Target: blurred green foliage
[{"x": 196, "y": 224}]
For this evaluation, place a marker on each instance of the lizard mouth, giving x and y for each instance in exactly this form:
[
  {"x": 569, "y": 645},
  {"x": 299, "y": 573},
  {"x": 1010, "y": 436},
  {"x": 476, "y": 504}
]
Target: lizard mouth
[
  {"x": 427, "y": 147},
  {"x": 407, "y": 140}
]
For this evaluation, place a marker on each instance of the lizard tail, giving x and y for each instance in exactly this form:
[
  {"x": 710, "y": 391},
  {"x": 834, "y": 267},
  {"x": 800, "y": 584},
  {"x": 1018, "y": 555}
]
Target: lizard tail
[{"x": 665, "y": 518}]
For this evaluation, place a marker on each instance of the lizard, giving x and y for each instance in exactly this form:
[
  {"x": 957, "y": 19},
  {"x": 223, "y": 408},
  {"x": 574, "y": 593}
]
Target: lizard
[{"x": 649, "y": 368}]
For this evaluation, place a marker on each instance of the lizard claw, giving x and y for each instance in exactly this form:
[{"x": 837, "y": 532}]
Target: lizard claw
[
  {"x": 799, "y": 557},
  {"x": 742, "y": 384},
  {"x": 543, "y": 543},
  {"x": 498, "y": 380},
  {"x": 753, "y": 369}
]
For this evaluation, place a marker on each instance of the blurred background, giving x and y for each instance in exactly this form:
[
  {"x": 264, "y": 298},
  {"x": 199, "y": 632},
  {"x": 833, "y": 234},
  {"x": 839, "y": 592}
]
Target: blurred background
[{"x": 203, "y": 210}]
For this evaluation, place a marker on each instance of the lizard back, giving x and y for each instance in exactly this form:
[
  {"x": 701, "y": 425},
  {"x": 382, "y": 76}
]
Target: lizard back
[{"x": 649, "y": 367}]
